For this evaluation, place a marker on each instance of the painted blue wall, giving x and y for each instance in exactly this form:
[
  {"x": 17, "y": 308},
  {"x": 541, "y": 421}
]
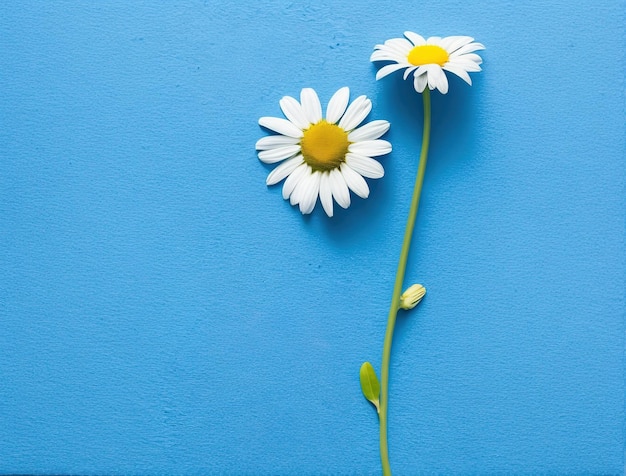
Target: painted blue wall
[{"x": 163, "y": 311}]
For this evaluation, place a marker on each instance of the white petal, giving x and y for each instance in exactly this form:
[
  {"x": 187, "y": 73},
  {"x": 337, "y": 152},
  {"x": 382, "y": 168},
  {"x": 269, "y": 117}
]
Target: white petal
[
  {"x": 388, "y": 69},
  {"x": 408, "y": 72},
  {"x": 429, "y": 77},
  {"x": 468, "y": 65},
  {"x": 384, "y": 54},
  {"x": 421, "y": 70},
  {"x": 366, "y": 166},
  {"x": 339, "y": 188},
  {"x": 460, "y": 72},
  {"x": 420, "y": 81},
  {"x": 370, "y": 148},
  {"x": 470, "y": 57},
  {"x": 273, "y": 142},
  {"x": 282, "y": 126},
  {"x": 453, "y": 43},
  {"x": 283, "y": 170},
  {"x": 400, "y": 46},
  {"x": 357, "y": 111},
  {"x": 293, "y": 111},
  {"x": 311, "y": 105},
  {"x": 440, "y": 80},
  {"x": 370, "y": 131},
  {"x": 355, "y": 182},
  {"x": 276, "y": 155},
  {"x": 326, "y": 194},
  {"x": 310, "y": 190},
  {"x": 337, "y": 105},
  {"x": 434, "y": 73},
  {"x": 416, "y": 39},
  {"x": 300, "y": 187},
  {"x": 298, "y": 174},
  {"x": 468, "y": 49},
  {"x": 294, "y": 197},
  {"x": 433, "y": 40}
]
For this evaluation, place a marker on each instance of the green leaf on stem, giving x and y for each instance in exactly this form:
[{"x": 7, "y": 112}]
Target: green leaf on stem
[{"x": 370, "y": 385}]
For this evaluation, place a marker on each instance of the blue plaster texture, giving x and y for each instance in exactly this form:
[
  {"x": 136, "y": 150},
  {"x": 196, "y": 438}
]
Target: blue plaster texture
[{"x": 163, "y": 312}]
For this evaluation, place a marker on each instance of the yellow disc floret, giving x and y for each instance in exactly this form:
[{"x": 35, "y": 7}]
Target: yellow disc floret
[
  {"x": 324, "y": 146},
  {"x": 428, "y": 54}
]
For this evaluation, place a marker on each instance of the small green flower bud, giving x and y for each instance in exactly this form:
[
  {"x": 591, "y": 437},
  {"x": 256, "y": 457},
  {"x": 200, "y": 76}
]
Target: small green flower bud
[{"x": 412, "y": 296}]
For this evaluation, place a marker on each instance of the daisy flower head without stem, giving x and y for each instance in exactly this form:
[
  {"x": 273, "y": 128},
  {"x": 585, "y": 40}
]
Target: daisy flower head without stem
[
  {"x": 323, "y": 156},
  {"x": 428, "y": 59}
]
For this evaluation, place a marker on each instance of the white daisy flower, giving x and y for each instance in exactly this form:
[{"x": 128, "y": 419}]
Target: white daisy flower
[
  {"x": 323, "y": 156},
  {"x": 428, "y": 59}
]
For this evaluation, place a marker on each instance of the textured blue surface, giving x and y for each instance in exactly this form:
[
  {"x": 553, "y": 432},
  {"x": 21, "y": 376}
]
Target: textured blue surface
[{"x": 162, "y": 311}]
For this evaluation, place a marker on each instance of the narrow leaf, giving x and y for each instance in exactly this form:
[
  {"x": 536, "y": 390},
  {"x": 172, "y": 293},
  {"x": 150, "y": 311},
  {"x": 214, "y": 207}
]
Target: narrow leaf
[{"x": 370, "y": 385}]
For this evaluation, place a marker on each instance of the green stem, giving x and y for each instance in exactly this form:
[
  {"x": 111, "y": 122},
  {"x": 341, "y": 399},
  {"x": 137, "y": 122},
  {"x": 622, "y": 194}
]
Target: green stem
[{"x": 397, "y": 289}]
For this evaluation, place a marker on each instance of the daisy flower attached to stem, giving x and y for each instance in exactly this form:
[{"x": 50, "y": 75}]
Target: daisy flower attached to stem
[
  {"x": 427, "y": 60},
  {"x": 323, "y": 156}
]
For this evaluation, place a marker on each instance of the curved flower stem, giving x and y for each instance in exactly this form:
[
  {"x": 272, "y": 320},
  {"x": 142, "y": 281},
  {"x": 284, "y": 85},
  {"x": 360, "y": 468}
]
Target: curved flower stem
[{"x": 397, "y": 289}]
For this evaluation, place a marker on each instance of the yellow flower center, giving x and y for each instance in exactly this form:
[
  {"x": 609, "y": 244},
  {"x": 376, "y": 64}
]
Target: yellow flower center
[
  {"x": 428, "y": 54},
  {"x": 324, "y": 146}
]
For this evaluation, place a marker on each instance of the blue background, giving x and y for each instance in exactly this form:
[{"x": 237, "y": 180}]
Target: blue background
[{"x": 163, "y": 311}]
